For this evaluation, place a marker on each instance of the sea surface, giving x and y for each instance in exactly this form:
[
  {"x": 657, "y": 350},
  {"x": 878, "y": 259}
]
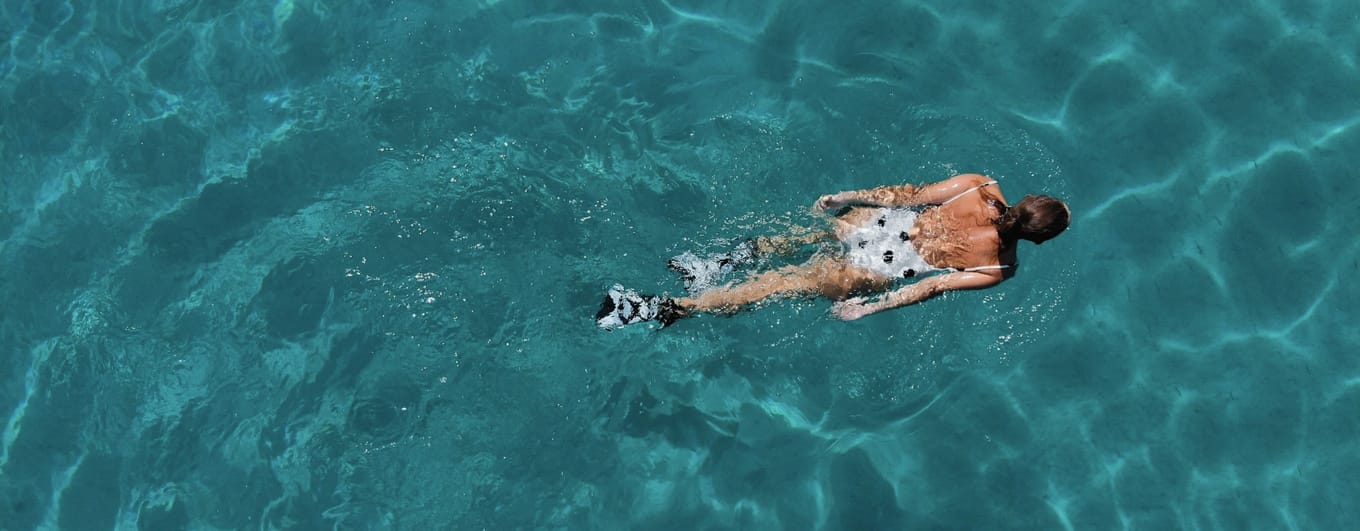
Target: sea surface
[{"x": 306, "y": 264}]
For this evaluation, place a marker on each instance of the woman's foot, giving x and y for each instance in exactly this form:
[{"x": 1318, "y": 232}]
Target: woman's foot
[{"x": 624, "y": 307}]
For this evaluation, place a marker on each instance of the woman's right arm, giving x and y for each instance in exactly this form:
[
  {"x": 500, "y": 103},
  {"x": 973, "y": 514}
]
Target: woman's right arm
[{"x": 902, "y": 195}]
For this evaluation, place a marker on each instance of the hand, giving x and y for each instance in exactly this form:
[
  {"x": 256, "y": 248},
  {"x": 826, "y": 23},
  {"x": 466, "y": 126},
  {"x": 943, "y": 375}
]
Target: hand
[
  {"x": 851, "y": 309},
  {"x": 828, "y": 202}
]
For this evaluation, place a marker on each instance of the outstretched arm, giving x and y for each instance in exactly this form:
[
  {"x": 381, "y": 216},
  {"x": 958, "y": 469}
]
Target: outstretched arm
[
  {"x": 855, "y": 308},
  {"x": 902, "y": 195}
]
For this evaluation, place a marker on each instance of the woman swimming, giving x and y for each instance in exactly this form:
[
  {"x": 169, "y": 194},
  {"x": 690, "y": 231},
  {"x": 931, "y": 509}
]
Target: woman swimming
[{"x": 961, "y": 228}]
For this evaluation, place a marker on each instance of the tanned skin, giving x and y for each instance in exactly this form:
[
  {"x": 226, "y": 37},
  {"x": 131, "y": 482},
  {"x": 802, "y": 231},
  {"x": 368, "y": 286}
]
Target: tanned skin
[{"x": 970, "y": 239}]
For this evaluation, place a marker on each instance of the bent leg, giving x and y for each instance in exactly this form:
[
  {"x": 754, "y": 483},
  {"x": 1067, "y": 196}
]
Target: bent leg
[
  {"x": 827, "y": 277},
  {"x": 790, "y": 280},
  {"x": 703, "y": 273}
]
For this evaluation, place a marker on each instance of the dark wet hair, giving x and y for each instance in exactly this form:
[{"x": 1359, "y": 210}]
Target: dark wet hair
[{"x": 1037, "y": 218}]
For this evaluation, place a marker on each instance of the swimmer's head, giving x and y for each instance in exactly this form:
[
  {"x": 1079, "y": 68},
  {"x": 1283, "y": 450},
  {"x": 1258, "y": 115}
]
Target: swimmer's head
[{"x": 1037, "y": 218}]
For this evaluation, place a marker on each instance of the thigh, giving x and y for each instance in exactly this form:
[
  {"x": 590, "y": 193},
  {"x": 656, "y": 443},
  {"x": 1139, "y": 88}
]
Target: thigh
[
  {"x": 838, "y": 280},
  {"x": 784, "y": 281}
]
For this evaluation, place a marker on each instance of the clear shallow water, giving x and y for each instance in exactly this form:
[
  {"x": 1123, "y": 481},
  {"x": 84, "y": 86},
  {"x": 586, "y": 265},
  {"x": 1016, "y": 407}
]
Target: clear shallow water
[{"x": 302, "y": 265}]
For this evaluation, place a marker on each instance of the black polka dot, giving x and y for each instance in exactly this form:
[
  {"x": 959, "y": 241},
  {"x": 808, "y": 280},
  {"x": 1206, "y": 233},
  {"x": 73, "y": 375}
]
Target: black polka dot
[
  {"x": 882, "y": 221},
  {"x": 862, "y": 243},
  {"x": 909, "y": 273},
  {"x": 887, "y": 257},
  {"x": 904, "y": 236}
]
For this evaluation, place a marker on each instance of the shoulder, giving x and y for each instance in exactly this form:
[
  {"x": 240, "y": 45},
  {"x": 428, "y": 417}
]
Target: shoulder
[
  {"x": 987, "y": 186},
  {"x": 970, "y": 179}
]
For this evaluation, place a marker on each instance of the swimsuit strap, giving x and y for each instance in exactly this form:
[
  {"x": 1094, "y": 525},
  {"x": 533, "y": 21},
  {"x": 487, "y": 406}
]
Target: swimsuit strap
[
  {"x": 986, "y": 268},
  {"x": 965, "y": 192}
]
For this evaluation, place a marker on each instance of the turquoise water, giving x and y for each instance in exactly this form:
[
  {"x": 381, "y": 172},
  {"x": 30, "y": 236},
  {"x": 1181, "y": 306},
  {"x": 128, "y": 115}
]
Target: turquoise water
[{"x": 307, "y": 265}]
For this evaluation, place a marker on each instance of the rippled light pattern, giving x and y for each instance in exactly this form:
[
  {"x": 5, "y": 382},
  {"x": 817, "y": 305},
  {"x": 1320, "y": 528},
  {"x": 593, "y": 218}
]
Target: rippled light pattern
[{"x": 304, "y": 264}]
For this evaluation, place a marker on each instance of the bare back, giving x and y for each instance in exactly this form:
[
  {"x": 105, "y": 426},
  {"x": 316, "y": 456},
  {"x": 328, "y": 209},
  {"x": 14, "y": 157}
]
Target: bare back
[{"x": 958, "y": 234}]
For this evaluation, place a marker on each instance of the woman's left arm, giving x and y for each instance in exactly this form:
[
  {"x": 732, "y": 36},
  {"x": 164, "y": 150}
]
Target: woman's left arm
[
  {"x": 857, "y": 307},
  {"x": 902, "y": 195}
]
